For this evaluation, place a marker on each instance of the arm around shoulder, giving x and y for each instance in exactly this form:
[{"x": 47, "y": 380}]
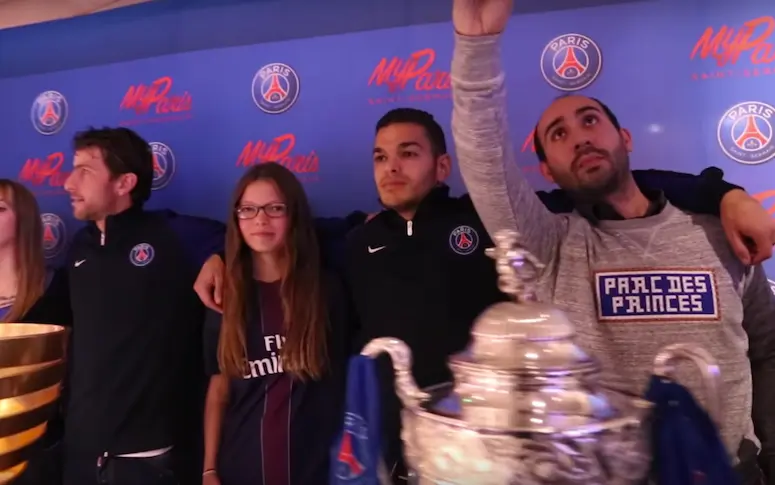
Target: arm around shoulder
[{"x": 200, "y": 237}]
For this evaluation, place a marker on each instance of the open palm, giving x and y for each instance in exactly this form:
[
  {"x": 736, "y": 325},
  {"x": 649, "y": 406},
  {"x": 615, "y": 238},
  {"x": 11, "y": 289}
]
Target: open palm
[{"x": 481, "y": 17}]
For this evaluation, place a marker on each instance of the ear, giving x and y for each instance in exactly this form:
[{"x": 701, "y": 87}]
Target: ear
[
  {"x": 443, "y": 167},
  {"x": 544, "y": 167},
  {"x": 627, "y": 137},
  {"x": 125, "y": 183}
]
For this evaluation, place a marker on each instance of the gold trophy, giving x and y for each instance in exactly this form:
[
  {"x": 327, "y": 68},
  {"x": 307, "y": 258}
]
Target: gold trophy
[{"x": 32, "y": 365}]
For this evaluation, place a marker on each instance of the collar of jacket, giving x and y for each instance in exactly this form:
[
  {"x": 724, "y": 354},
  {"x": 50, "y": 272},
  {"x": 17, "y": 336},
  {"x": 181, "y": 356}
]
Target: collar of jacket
[
  {"x": 116, "y": 224},
  {"x": 437, "y": 200},
  {"x": 604, "y": 212}
]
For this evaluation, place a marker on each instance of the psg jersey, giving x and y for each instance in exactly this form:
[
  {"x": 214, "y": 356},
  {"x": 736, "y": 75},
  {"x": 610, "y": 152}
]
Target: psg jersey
[{"x": 277, "y": 430}]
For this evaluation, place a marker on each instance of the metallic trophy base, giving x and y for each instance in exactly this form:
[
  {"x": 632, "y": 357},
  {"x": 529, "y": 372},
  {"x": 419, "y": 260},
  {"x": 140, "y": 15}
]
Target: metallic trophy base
[{"x": 32, "y": 365}]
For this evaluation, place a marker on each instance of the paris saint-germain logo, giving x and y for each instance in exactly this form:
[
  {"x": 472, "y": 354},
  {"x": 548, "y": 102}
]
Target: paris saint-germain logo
[
  {"x": 571, "y": 62},
  {"x": 163, "y": 165},
  {"x": 276, "y": 88},
  {"x": 352, "y": 457},
  {"x": 464, "y": 240},
  {"x": 142, "y": 254},
  {"x": 54, "y": 235},
  {"x": 745, "y": 133},
  {"x": 49, "y": 112}
]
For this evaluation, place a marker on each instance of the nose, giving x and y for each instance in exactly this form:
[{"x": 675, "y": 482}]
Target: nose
[
  {"x": 69, "y": 184},
  {"x": 393, "y": 164},
  {"x": 261, "y": 218},
  {"x": 581, "y": 143}
]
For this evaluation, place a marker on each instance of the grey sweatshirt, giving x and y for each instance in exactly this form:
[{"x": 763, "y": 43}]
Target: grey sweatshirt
[{"x": 630, "y": 286}]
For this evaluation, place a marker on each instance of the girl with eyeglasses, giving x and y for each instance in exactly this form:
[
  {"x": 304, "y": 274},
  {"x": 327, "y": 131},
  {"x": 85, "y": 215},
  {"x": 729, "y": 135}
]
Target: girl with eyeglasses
[{"x": 278, "y": 369}]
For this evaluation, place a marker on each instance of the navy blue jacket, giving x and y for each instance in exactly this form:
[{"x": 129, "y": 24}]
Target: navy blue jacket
[{"x": 136, "y": 381}]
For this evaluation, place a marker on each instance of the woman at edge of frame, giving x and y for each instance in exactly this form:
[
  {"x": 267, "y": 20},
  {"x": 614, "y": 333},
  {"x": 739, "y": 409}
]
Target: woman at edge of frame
[
  {"x": 276, "y": 390},
  {"x": 29, "y": 293}
]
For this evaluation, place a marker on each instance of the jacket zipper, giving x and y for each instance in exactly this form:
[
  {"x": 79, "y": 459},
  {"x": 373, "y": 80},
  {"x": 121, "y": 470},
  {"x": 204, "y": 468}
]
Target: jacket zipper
[
  {"x": 102, "y": 239},
  {"x": 409, "y": 231}
]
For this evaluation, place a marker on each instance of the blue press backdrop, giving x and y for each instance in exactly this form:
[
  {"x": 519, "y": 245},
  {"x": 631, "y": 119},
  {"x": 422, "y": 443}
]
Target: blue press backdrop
[{"x": 182, "y": 74}]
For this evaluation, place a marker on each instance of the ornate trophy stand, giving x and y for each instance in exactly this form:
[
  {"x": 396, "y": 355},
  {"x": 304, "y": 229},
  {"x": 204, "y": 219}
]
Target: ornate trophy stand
[
  {"x": 526, "y": 407},
  {"x": 32, "y": 365}
]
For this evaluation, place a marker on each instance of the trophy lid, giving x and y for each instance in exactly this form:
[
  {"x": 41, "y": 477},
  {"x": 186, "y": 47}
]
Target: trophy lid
[{"x": 523, "y": 369}]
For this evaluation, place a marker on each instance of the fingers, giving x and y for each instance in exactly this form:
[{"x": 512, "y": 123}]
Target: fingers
[
  {"x": 218, "y": 290},
  {"x": 206, "y": 295},
  {"x": 762, "y": 248},
  {"x": 739, "y": 247}
]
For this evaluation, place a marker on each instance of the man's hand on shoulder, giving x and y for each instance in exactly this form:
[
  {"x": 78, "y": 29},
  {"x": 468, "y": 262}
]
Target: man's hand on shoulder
[
  {"x": 209, "y": 283},
  {"x": 749, "y": 228}
]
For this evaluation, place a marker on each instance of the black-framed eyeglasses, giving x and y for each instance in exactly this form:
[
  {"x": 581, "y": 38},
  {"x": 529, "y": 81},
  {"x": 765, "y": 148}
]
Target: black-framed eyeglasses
[{"x": 274, "y": 210}]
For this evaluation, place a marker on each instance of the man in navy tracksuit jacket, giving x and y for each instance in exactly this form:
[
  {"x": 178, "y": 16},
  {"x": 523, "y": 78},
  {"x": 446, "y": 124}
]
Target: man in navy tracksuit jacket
[{"x": 136, "y": 384}]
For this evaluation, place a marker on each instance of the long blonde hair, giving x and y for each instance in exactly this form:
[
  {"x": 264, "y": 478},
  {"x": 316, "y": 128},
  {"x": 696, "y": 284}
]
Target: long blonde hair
[{"x": 30, "y": 262}]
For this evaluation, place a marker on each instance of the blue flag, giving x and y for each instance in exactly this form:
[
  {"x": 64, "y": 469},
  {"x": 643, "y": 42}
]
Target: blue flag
[
  {"x": 686, "y": 446},
  {"x": 356, "y": 454}
]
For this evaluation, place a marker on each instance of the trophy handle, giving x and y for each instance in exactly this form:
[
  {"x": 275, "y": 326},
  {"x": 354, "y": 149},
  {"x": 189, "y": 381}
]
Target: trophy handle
[
  {"x": 411, "y": 396},
  {"x": 706, "y": 364}
]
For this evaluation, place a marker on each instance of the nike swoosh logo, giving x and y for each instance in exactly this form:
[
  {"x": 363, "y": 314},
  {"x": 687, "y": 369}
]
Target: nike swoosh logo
[
  {"x": 374, "y": 250},
  {"x": 79, "y": 262}
]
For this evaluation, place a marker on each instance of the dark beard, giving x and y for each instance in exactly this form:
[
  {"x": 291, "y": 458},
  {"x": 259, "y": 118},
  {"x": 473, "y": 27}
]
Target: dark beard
[{"x": 597, "y": 191}]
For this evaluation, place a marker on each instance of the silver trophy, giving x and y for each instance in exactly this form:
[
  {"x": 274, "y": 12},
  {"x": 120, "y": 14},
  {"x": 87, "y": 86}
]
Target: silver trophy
[{"x": 526, "y": 407}]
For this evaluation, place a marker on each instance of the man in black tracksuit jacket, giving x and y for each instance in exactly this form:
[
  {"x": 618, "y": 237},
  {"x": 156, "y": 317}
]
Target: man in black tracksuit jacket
[
  {"x": 136, "y": 385},
  {"x": 418, "y": 271}
]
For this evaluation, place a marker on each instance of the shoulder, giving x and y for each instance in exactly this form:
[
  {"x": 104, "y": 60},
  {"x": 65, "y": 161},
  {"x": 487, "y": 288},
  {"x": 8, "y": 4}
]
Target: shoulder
[
  {"x": 213, "y": 318},
  {"x": 707, "y": 230},
  {"x": 333, "y": 287},
  {"x": 82, "y": 235},
  {"x": 362, "y": 234},
  {"x": 53, "y": 307},
  {"x": 183, "y": 222},
  {"x": 337, "y": 299}
]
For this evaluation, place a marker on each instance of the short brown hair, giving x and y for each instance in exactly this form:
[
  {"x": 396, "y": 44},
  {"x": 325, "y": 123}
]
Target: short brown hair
[{"x": 124, "y": 151}]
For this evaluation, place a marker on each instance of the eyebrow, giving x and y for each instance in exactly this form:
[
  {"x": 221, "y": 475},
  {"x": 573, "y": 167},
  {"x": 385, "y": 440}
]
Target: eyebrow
[
  {"x": 406, "y": 144},
  {"x": 560, "y": 119}
]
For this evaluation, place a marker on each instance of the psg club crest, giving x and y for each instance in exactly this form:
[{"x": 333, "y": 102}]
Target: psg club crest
[
  {"x": 745, "y": 133},
  {"x": 571, "y": 62},
  {"x": 353, "y": 458},
  {"x": 464, "y": 240},
  {"x": 49, "y": 112},
  {"x": 142, "y": 254},
  {"x": 275, "y": 88},
  {"x": 163, "y": 165},
  {"x": 54, "y": 235}
]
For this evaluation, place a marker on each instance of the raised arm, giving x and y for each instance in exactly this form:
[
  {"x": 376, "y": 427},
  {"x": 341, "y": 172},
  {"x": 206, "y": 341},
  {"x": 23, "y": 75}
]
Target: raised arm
[{"x": 502, "y": 196}]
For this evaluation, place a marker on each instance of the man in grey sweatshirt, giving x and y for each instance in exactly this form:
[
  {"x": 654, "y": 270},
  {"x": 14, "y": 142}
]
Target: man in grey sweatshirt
[{"x": 633, "y": 272}]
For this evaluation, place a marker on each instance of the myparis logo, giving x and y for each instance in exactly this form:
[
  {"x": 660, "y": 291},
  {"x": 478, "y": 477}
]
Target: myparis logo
[{"x": 745, "y": 133}]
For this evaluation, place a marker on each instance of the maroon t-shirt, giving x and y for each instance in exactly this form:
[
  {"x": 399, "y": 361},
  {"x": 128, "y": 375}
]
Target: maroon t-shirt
[{"x": 277, "y": 430}]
